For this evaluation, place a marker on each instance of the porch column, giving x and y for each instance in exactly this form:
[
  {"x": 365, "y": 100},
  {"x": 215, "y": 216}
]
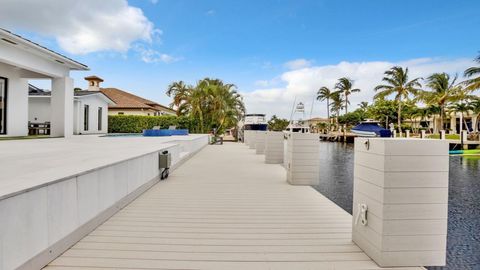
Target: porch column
[
  {"x": 475, "y": 123},
  {"x": 453, "y": 123},
  {"x": 62, "y": 107}
]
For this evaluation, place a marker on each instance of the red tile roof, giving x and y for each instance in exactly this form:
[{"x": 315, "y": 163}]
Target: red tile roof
[{"x": 126, "y": 100}]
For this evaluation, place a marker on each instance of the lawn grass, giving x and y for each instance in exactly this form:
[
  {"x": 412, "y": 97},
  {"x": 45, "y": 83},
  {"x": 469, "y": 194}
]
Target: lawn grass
[
  {"x": 447, "y": 136},
  {"x": 25, "y": 137}
]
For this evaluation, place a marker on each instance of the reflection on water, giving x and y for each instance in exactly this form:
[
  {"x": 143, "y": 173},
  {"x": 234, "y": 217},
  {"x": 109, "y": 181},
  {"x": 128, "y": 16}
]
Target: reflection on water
[{"x": 463, "y": 240}]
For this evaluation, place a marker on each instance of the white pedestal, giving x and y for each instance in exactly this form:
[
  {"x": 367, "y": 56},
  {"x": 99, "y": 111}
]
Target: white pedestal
[
  {"x": 246, "y": 136},
  {"x": 260, "y": 142},
  {"x": 303, "y": 159},
  {"x": 423, "y": 134},
  {"x": 442, "y": 135},
  {"x": 253, "y": 139},
  {"x": 404, "y": 183},
  {"x": 407, "y": 133},
  {"x": 274, "y": 147}
]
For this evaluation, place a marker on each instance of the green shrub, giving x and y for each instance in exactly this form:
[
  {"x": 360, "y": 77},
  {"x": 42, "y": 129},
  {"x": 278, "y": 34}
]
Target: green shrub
[{"x": 137, "y": 123}]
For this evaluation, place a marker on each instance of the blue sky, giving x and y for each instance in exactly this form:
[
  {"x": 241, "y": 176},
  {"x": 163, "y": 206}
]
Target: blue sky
[{"x": 250, "y": 44}]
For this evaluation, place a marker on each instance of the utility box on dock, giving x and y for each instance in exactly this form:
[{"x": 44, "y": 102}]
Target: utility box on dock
[
  {"x": 260, "y": 142},
  {"x": 274, "y": 147},
  {"x": 303, "y": 158},
  {"x": 400, "y": 200}
]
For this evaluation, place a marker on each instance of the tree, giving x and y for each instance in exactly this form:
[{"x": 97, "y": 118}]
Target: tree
[
  {"x": 383, "y": 110},
  {"x": 344, "y": 86},
  {"x": 474, "y": 82},
  {"x": 277, "y": 124},
  {"x": 443, "y": 91},
  {"x": 363, "y": 105},
  {"x": 397, "y": 83},
  {"x": 475, "y": 107},
  {"x": 462, "y": 108},
  {"x": 337, "y": 104},
  {"x": 352, "y": 118},
  {"x": 210, "y": 103},
  {"x": 324, "y": 93}
]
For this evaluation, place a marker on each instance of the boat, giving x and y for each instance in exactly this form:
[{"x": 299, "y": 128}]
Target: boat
[
  {"x": 298, "y": 125},
  {"x": 473, "y": 152},
  {"x": 255, "y": 122},
  {"x": 371, "y": 129}
]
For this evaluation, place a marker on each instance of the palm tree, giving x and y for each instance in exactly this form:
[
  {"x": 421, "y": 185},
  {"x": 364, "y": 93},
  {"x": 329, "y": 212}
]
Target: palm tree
[
  {"x": 475, "y": 107},
  {"x": 443, "y": 91},
  {"x": 344, "y": 86},
  {"x": 461, "y": 108},
  {"x": 337, "y": 104},
  {"x": 324, "y": 93},
  {"x": 397, "y": 83},
  {"x": 473, "y": 83},
  {"x": 211, "y": 103},
  {"x": 363, "y": 105}
]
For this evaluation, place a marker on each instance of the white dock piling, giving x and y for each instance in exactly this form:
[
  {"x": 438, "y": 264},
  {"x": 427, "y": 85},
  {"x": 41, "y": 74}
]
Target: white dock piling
[
  {"x": 252, "y": 140},
  {"x": 260, "y": 142},
  {"x": 303, "y": 158},
  {"x": 403, "y": 186},
  {"x": 246, "y": 136},
  {"x": 274, "y": 147}
]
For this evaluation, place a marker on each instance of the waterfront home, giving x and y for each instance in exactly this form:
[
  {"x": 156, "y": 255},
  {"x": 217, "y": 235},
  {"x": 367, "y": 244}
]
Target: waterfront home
[
  {"x": 90, "y": 111},
  {"x": 126, "y": 103},
  {"x": 21, "y": 60}
]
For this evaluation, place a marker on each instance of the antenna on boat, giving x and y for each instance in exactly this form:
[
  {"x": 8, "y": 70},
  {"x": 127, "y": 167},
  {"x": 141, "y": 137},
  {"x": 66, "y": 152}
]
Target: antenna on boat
[
  {"x": 293, "y": 109},
  {"x": 311, "y": 109}
]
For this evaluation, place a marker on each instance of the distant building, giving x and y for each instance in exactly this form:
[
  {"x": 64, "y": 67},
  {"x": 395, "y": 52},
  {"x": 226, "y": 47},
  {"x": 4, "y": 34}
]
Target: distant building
[
  {"x": 126, "y": 103},
  {"x": 90, "y": 110}
]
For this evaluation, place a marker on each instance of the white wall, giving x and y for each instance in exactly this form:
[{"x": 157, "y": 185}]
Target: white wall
[
  {"x": 94, "y": 103},
  {"x": 17, "y": 101},
  {"x": 46, "y": 218},
  {"x": 39, "y": 109}
]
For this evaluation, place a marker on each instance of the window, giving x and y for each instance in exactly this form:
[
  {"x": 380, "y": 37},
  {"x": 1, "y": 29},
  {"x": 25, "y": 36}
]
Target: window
[
  {"x": 3, "y": 105},
  {"x": 86, "y": 114},
  {"x": 99, "y": 118}
]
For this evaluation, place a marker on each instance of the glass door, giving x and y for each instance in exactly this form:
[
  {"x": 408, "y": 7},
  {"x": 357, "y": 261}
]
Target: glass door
[{"x": 3, "y": 105}]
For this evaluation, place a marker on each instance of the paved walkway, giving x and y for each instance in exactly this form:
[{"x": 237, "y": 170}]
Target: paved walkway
[{"x": 223, "y": 209}]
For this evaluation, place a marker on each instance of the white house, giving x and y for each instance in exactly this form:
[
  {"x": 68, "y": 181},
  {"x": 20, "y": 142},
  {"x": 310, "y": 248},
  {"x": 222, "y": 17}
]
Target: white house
[
  {"x": 22, "y": 59},
  {"x": 90, "y": 110}
]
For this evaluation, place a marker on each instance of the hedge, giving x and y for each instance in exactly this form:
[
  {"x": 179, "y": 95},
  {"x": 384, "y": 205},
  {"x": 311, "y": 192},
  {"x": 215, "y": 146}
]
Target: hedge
[{"x": 137, "y": 123}]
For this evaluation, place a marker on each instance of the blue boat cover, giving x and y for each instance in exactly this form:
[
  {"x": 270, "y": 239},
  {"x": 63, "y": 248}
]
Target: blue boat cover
[{"x": 373, "y": 127}]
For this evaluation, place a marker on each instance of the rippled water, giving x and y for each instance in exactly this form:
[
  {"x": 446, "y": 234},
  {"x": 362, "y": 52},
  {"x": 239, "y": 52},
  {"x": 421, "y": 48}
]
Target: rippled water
[{"x": 463, "y": 240}]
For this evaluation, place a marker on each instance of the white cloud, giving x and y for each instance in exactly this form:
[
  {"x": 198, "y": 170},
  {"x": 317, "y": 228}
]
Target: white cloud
[
  {"x": 210, "y": 12},
  {"x": 81, "y": 27},
  {"x": 149, "y": 55},
  {"x": 298, "y": 64},
  {"x": 304, "y": 83}
]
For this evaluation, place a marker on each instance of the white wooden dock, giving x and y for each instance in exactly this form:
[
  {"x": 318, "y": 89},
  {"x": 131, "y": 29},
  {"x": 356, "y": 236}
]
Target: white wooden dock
[{"x": 223, "y": 209}]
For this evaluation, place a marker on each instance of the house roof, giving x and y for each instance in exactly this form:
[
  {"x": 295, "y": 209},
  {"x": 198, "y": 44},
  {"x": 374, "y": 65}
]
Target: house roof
[
  {"x": 126, "y": 100},
  {"x": 34, "y": 91},
  {"x": 93, "y": 78},
  {"x": 15, "y": 39}
]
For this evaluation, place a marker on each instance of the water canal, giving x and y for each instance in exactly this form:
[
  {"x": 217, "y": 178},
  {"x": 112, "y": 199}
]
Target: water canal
[{"x": 463, "y": 240}]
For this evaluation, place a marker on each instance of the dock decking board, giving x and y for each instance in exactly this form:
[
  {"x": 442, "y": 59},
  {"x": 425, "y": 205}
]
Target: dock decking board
[{"x": 223, "y": 209}]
